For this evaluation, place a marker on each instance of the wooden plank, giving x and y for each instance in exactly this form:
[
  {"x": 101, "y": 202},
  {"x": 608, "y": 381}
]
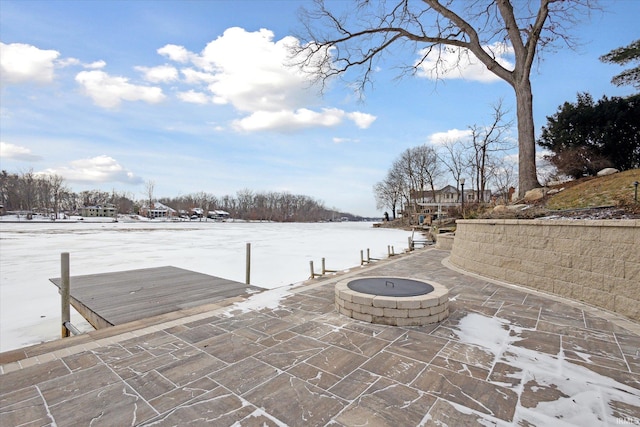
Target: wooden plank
[{"x": 120, "y": 297}]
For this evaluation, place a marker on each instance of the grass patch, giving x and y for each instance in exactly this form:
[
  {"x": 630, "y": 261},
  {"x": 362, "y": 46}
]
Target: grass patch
[{"x": 611, "y": 190}]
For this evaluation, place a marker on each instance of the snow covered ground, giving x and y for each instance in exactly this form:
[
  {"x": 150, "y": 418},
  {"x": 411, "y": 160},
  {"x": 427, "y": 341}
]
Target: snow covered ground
[
  {"x": 581, "y": 397},
  {"x": 280, "y": 255}
]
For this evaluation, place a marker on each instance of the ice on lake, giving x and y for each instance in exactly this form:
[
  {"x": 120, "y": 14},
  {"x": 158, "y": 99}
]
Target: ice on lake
[{"x": 280, "y": 255}]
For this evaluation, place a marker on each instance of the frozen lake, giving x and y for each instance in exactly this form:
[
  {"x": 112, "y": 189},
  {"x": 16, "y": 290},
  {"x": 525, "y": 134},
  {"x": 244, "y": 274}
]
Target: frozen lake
[{"x": 280, "y": 255}]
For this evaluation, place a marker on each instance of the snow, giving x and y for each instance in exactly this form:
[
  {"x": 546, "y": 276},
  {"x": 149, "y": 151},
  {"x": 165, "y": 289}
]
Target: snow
[
  {"x": 280, "y": 255},
  {"x": 267, "y": 299},
  {"x": 588, "y": 398}
]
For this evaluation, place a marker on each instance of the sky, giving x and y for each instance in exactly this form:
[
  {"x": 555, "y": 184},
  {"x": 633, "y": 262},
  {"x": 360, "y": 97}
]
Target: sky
[{"x": 195, "y": 96}]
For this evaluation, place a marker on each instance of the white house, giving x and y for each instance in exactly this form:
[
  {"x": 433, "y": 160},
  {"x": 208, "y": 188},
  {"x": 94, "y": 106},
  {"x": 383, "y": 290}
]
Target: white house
[
  {"x": 157, "y": 210},
  {"x": 448, "y": 195},
  {"x": 107, "y": 210},
  {"x": 428, "y": 205}
]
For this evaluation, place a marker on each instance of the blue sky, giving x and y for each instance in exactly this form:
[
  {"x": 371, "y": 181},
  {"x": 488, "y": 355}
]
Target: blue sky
[{"x": 192, "y": 96}]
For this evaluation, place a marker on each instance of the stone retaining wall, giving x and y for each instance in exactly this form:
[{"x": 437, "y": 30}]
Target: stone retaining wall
[
  {"x": 444, "y": 241},
  {"x": 594, "y": 261}
]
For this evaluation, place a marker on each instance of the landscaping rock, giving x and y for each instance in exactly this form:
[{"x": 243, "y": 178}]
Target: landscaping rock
[
  {"x": 533, "y": 195},
  {"x": 517, "y": 207},
  {"x": 608, "y": 171}
]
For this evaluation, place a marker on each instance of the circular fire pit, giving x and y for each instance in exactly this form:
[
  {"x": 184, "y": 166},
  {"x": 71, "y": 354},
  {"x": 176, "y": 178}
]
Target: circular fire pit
[{"x": 397, "y": 301}]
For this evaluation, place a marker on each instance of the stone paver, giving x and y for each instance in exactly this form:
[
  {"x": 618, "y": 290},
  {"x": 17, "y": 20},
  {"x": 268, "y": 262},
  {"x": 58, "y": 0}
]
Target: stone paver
[{"x": 505, "y": 356}]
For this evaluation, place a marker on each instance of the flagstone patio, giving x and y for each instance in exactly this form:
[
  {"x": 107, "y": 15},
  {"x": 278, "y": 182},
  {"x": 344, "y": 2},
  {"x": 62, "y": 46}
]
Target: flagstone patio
[{"x": 505, "y": 356}]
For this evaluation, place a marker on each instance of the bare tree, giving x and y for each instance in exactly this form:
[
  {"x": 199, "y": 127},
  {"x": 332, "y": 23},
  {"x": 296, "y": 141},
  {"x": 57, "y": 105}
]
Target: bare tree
[
  {"x": 416, "y": 170},
  {"x": 452, "y": 155},
  {"x": 35, "y": 192},
  {"x": 486, "y": 141},
  {"x": 245, "y": 201},
  {"x": 149, "y": 188},
  {"x": 419, "y": 169},
  {"x": 402, "y": 168},
  {"x": 28, "y": 190},
  {"x": 427, "y": 167},
  {"x": 359, "y": 36},
  {"x": 503, "y": 177},
  {"x": 123, "y": 202},
  {"x": 57, "y": 190},
  {"x": 8, "y": 187},
  {"x": 94, "y": 197},
  {"x": 388, "y": 192},
  {"x": 205, "y": 202},
  {"x": 42, "y": 201}
]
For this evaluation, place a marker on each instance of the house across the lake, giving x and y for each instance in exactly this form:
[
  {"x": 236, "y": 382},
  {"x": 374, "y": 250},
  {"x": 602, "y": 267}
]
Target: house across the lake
[
  {"x": 157, "y": 210},
  {"x": 218, "y": 215},
  {"x": 107, "y": 210}
]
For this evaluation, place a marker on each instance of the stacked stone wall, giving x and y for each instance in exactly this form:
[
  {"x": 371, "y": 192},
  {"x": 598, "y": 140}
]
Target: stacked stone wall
[
  {"x": 594, "y": 261},
  {"x": 416, "y": 310}
]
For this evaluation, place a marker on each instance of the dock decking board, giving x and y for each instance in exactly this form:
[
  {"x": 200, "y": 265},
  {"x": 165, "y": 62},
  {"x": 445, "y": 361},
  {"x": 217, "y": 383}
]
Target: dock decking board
[{"x": 125, "y": 296}]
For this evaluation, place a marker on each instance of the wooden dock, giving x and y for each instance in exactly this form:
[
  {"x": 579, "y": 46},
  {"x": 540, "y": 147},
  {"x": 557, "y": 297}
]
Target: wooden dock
[{"x": 110, "y": 299}]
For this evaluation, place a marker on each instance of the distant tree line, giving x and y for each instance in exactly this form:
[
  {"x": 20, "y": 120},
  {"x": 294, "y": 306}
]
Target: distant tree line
[
  {"x": 48, "y": 194},
  {"x": 265, "y": 206},
  {"x": 30, "y": 192}
]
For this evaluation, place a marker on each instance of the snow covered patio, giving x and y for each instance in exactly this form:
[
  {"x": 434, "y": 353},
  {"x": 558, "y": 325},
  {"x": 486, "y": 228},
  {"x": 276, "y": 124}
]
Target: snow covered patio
[{"x": 504, "y": 356}]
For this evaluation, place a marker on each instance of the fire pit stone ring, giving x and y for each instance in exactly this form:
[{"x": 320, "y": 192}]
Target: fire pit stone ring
[{"x": 395, "y": 301}]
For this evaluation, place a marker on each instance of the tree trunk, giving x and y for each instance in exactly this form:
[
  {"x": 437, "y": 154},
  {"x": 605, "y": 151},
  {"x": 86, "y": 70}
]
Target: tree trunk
[{"x": 527, "y": 175}]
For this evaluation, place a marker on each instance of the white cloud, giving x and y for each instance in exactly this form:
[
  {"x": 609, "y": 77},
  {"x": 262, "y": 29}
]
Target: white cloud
[
  {"x": 194, "y": 77},
  {"x": 95, "y": 65},
  {"x": 362, "y": 120},
  {"x": 458, "y": 63},
  {"x": 109, "y": 91},
  {"x": 175, "y": 53},
  {"x": 287, "y": 120},
  {"x": 302, "y": 118},
  {"x": 95, "y": 170},
  {"x": 67, "y": 62},
  {"x": 16, "y": 152},
  {"x": 23, "y": 63},
  {"x": 449, "y": 136},
  {"x": 193, "y": 97},
  {"x": 248, "y": 71},
  {"x": 159, "y": 74},
  {"x": 339, "y": 140}
]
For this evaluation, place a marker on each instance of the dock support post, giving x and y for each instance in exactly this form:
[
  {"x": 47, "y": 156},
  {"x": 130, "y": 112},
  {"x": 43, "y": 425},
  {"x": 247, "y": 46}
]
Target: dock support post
[
  {"x": 65, "y": 294},
  {"x": 313, "y": 274},
  {"x": 248, "y": 265},
  {"x": 325, "y": 270},
  {"x": 361, "y": 257},
  {"x": 368, "y": 255}
]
